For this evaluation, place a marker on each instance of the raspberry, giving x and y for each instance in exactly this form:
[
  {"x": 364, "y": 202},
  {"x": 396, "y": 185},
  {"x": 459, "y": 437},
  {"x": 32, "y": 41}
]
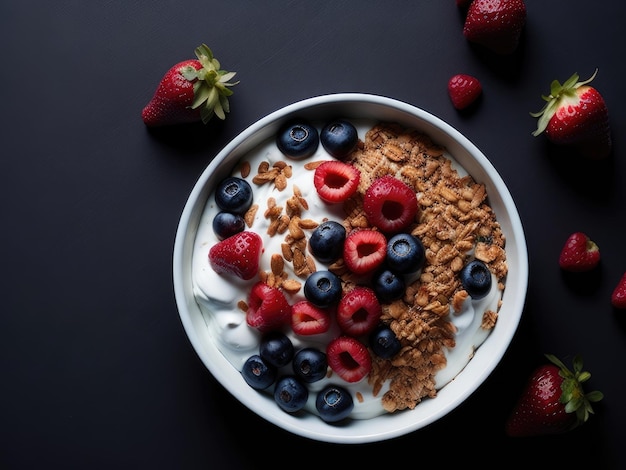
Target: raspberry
[
  {"x": 336, "y": 181},
  {"x": 348, "y": 358},
  {"x": 268, "y": 308},
  {"x": 364, "y": 251},
  {"x": 359, "y": 311},
  {"x": 307, "y": 319},
  {"x": 390, "y": 204}
]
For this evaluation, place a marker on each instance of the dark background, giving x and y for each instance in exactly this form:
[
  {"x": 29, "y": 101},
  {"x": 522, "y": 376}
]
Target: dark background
[{"x": 96, "y": 370}]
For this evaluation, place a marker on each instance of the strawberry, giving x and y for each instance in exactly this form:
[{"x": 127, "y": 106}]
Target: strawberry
[
  {"x": 237, "y": 255},
  {"x": 579, "y": 253},
  {"x": 495, "y": 24},
  {"x": 464, "y": 90},
  {"x": 618, "y": 297},
  {"x": 463, "y": 3},
  {"x": 364, "y": 250},
  {"x": 553, "y": 401},
  {"x": 577, "y": 116},
  {"x": 348, "y": 358},
  {"x": 190, "y": 91},
  {"x": 359, "y": 311},
  {"x": 308, "y": 319},
  {"x": 268, "y": 308},
  {"x": 336, "y": 181},
  {"x": 390, "y": 204}
]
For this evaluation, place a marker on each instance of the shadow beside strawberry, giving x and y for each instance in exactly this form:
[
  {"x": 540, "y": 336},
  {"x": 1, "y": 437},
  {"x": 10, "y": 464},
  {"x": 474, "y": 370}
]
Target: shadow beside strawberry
[
  {"x": 189, "y": 138},
  {"x": 594, "y": 180}
]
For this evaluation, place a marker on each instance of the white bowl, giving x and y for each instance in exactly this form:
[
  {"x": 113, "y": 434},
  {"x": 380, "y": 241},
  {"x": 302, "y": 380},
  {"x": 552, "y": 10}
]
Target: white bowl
[{"x": 487, "y": 356}]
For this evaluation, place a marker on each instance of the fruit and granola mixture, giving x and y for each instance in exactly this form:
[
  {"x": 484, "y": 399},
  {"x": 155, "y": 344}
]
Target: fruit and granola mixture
[
  {"x": 363, "y": 271},
  {"x": 455, "y": 223}
]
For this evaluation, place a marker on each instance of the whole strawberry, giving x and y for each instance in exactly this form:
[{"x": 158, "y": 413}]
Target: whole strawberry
[
  {"x": 618, "y": 297},
  {"x": 579, "y": 253},
  {"x": 553, "y": 401},
  {"x": 495, "y": 24},
  {"x": 192, "y": 90},
  {"x": 576, "y": 115},
  {"x": 463, "y": 90},
  {"x": 238, "y": 255}
]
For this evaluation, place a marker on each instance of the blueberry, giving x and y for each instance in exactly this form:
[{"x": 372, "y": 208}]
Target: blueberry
[
  {"x": 310, "y": 365},
  {"x": 384, "y": 342},
  {"x": 476, "y": 279},
  {"x": 226, "y": 224},
  {"x": 322, "y": 288},
  {"x": 339, "y": 138},
  {"x": 405, "y": 253},
  {"x": 326, "y": 241},
  {"x": 290, "y": 394},
  {"x": 297, "y": 139},
  {"x": 257, "y": 373},
  {"x": 388, "y": 285},
  {"x": 334, "y": 403},
  {"x": 276, "y": 349},
  {"x": 234, "y": 195}
]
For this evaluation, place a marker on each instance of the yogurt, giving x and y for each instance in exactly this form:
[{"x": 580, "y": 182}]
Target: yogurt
[{"x": 218, "y": 295}]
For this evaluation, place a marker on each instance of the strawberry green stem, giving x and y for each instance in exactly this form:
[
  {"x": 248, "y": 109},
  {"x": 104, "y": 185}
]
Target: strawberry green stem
[
  {"x": 558, "y": 95},
  {"x": 211, "y": 85},
  {"x": 573, "y": 395}
]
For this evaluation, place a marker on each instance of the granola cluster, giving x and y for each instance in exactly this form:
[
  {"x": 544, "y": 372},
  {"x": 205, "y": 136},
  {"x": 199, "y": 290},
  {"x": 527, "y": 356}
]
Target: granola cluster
[{"x": 455, "y": 223}]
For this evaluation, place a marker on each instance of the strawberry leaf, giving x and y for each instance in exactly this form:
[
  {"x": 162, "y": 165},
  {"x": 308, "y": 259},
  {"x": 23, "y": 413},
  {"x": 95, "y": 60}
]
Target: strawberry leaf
[{"x": 211, "y": 90}]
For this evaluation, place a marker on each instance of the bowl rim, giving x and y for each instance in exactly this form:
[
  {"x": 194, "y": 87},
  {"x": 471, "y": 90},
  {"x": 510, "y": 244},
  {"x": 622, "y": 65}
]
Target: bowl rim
[{"x": 487, "y": 356}]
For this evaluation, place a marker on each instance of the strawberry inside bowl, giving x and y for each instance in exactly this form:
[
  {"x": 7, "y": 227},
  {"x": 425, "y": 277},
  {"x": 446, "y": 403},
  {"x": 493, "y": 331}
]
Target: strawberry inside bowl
[{"x": 285, "y": 210}]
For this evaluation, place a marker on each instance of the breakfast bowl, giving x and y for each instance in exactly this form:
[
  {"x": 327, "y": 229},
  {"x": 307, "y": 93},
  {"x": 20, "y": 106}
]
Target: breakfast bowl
[{"x": 212, "y": 302}]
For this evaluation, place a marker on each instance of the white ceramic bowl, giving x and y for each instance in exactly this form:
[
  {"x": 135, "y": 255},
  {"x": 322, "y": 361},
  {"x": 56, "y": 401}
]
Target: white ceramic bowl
[{"x": 487, "y": 356}]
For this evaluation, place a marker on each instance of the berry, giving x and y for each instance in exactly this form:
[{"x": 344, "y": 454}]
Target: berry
[
  {"x": 553, "y": 401},
  {"x": 334, "y": 403},
  {"x": 384, "y": 342},
  {"x": 464, "y": 90},
  {"x": 358, "y": 311},
  {"x": 388, "y": 285},
  {"x": 476, "y": 279},
  {"x": 237, "y": 255},
  {"x": 257, "y": 373},
  {"x": 308, "y": 319},
  {"x": 495, "y": 25},
  {"x": 310, "y": 365},
  {"x": 276, "y": 348},
  {"x": 348, "y": 358},
  {"x": 364, "y": 250},
  {"x": 226, "y": 224},
  {"x": 326, "y": 241},
  {"x": 290, "y": 394},
  {"x": 297, "y": 139},
  {"x": 405, "y": 253},
  {"x": 576, "y": 116},
  {"x": 579, "y": 253},
  {"x": 618, "y": 297},
  {"x": 190, "y": 91},
  {"x": 234, "y": 195},
  {"x": 268, "y": 308},
  {"x": 336, "y": 181},
  {"x": 322, "y": 288},
  {"x": 339, "y": 138},
  {"x": 390, "y": 204}
]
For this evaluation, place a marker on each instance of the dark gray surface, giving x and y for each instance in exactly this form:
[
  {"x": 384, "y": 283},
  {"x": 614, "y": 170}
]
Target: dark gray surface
[{"x": 96, "y": 369}]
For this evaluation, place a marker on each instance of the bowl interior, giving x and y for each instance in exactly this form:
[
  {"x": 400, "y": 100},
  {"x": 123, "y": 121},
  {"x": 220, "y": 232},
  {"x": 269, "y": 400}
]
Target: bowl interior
[{"x": 487, "y": 356}]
